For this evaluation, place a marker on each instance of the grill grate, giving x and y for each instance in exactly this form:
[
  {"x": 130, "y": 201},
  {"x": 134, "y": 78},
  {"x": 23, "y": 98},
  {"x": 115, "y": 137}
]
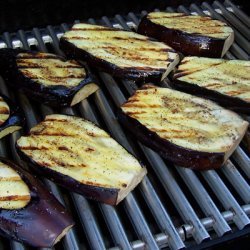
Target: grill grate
[{"x": 173, "y": 207}]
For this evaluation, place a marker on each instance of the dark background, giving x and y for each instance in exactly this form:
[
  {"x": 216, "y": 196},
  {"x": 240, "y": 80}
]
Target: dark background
[{"x": 26, "y": 14}]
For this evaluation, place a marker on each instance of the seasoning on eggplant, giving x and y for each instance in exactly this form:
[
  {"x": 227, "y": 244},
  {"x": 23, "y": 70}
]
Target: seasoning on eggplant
[
  {"x": 188, "y": 34},
  {"x": 29, "y": 213},
  {"x": 11, "y": 116},
  {"x": 83, "y": 158},
  {"x": 189, "y": 131},
  {"x": 46, "y": 78},
  {"x": 226, "y": 82},
  {"x": 122, "y": 53}
]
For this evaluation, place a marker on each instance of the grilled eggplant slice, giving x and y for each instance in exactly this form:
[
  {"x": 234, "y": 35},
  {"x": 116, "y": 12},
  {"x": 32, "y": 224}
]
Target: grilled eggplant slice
[
  {"x": 11, "y": 116},
  {"x": 121, "y": 53},
  {"x": 83, "y": 158},
  {"x": 226, "y": 82},
  {"x": 187, "y": 130},
  {"x": 29, "y": 213},
  {"x": 47, "y": 78},
  {"x": 188, "y": 34}
]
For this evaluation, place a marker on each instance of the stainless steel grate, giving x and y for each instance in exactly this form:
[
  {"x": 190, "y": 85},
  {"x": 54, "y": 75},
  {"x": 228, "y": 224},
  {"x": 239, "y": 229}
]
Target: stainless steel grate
[{"x": 173, "y": 207}]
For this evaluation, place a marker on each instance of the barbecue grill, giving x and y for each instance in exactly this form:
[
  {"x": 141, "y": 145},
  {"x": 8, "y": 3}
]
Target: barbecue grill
[{"x": 173, "y": 207}]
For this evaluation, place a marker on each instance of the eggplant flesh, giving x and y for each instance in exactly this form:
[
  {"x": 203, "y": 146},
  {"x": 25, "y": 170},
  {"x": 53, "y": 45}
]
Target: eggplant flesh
[
  {"x": 29, "y": 213},
  {"x": 188, "y": 34},
  {"x": 45, "y": 77},
  {"x": 122, "y": 53},
  {"x": 187, "y": 130},
  {"x": 11, "y": 116},
  {"x": 226, "y": 82},
  {"x": 83, "y": 158}
]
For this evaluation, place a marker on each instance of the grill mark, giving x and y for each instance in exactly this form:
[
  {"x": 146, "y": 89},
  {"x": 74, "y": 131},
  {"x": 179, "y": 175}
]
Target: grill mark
[
  {"x": 15, "y": 198},
  {"x": 144, "y": 41},
  {"x": 212, "y": 85},
  {"x": 110, "y": 38},
  {"x": 89, "y": 150},
  {"x": 38, "y": 56},
  {"x": 130, "y": 55},
  {"x": 135, "y": 112},
  {"x": 33, "y": 148},
  {"x": 161, "y": 17},
  {"x": 141, "y": 105},
  {"x": 234, "y": 92},
  {"x": 95, "y": 29},
  {"x": 55, "y": 78},
  {"x": 60, "y": 163},
  {"x": 50, "y": 134},
  {"x": 42, "y": 67},
  {"x": 178, "y": 75},
  {"x": 54, "y": 119},
  {"x": 13, "y": 178},
  {"x": 63, "y": 148},
  {"x": 4, "y": 111},
  {"x": 94, "y": 184}
]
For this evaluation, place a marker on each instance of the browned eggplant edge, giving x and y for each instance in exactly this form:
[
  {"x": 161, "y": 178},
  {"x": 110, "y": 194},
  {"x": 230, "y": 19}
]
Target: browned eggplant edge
[
  {"x": 41, "y": 221},
  {"x": 53, "y": 95},
  {"x": 234, "y": 103},
  {"x": 181, "y": 156},
  {"x": 101, "y": 194},
  {"x": 72, "y": 52},
  {"x": 188, "y": 44},
  {"x": 16, "y": 116}
]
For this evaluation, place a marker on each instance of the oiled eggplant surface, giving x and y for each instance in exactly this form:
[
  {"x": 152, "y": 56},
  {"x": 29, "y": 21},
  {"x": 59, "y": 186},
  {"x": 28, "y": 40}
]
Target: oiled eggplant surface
[
  {"x": 226, "y": 82},
  {"x": 45, "y": 77},
  {"x": 40, "y": 220},
  {"x": 122, "y": 53},
  {"x": 189, "y": 131},
  {"x": 189, "y": 34},
  {"x": 82, "y": 157}
]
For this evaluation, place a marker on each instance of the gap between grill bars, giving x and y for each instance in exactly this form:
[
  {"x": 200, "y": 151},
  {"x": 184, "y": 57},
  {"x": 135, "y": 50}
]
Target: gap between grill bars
[{"x": 215, "y": 202}]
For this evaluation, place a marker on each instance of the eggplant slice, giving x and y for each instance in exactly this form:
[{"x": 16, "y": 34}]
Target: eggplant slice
[
  {"x": 83, "y": 158},
  {"x": 188, "y": 34},
  {"x": 226, "y": 82},
  {"x": 46, "y": 78},
  {"x": 29, "y": 213},
  {"x": 121, "y": 53},
  {"x": 189, "y": 131},
  {"x": 11, "y": 116}
]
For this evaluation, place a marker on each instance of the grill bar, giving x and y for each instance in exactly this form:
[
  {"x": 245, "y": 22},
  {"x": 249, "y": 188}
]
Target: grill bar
[
  {"x": 242, "y": 16},
  {"x": 237, "y": 181},
  {"x": 232, "y": 19},
  {"x": 171, "y": 233},
  {"x": 243, "y": 160},
  {"x": 227, "y": 199},
  {"x": 204, "y": 200}
]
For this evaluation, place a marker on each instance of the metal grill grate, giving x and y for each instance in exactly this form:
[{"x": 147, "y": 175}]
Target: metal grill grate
[{"x": 173, "y": 207}]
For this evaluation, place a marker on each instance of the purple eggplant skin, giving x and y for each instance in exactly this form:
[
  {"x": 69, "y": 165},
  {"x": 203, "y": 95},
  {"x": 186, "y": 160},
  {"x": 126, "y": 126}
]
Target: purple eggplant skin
[
  {"x": 41, "y": 222},
  {"x": 105, "y": 195},
  {"x": 178, "y": 155},
  {"x": 236, "y": 104},
  {"x": 188, "y": 44},
  {"x": 72, "y": 52},
  {"x": 53, "y": 95},
  {"x": 16, "y": 117}
]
